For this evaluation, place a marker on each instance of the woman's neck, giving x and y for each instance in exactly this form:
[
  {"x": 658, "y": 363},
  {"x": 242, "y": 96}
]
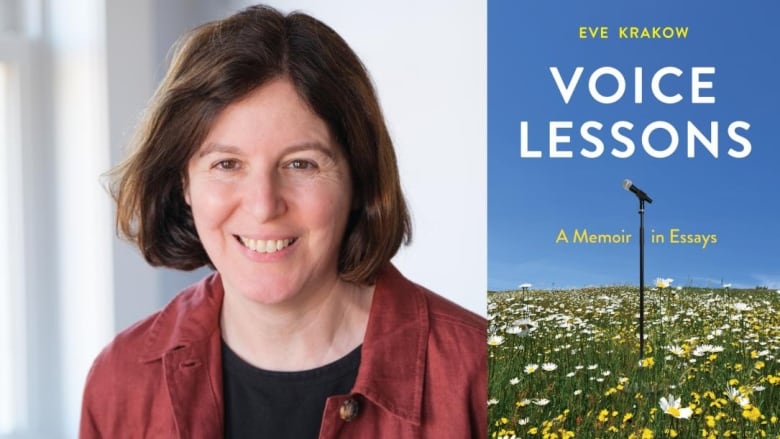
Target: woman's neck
[{"x": 310, "y": 333}]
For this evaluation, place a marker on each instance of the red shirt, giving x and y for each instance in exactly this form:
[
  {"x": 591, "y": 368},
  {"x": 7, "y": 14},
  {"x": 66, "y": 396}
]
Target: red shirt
[{"x": 423, "y": 371}]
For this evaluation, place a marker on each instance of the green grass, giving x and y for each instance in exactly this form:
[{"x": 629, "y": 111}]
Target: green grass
[{"x": 598, "y": 388}]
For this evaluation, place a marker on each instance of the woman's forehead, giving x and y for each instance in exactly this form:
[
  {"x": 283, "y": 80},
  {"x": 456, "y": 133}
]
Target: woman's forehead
[{"x": 273, "y": 115}]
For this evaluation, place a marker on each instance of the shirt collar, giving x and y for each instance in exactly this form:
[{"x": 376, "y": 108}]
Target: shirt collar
[
  {"x": 191, "y": 317},
  {"x": 394, "y": 350}
]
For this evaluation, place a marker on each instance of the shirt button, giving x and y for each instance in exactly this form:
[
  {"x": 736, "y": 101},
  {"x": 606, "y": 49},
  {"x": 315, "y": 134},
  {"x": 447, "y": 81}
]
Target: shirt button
[{"x": 349, "y": 409}]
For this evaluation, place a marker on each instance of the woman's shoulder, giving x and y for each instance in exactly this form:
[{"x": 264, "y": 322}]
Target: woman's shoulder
[
  {"x": 186, "y": 316},
  {"x": 127, "y": 381},
  {"x": 443, "y": 315},
  {"x": 441, "y": 310},
  {"x": 445, "y": 312}
]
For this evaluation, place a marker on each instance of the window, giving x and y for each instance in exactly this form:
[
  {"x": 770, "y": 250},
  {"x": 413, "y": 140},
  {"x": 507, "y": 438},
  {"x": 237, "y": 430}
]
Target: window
[
  {"x": 11, "y": 306},
  {"x": 6, "y": 325},
  {"x": 9, "y": 16},
  {"x": 14, "y": 56}
]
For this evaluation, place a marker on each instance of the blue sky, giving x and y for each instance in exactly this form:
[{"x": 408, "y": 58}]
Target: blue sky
[{"x": 531, "y": 200}]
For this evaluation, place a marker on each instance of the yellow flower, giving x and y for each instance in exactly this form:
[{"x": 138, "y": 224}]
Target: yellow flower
[
  {"x": 627, "y": 417},
  {"x": 759, "y": 365},
  {"x": 718, "y": 403},
  {"x": 751, "y": 413},
  {"x": 603, "y": 415},
  {"x": 533, "y": 430},
  {"x": 738, "y": 367},
  {"x": 671, "y": 432},
  {"x": 733, "y": 382},
  {"x": 647, "y": 362},
  {"x": 647, "y": 434},
  {"x": 523, "y": 402},
  {"x": 710, "y": 420}
]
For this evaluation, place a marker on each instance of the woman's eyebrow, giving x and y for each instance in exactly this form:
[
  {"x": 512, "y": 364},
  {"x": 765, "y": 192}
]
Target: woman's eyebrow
[
  {"x": 311, "y": 146},
  {"x": 211, "y": 148}
]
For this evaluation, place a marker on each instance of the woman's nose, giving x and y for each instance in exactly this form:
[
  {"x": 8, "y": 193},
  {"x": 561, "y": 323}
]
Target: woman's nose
[{"x": 263, "y": 197}]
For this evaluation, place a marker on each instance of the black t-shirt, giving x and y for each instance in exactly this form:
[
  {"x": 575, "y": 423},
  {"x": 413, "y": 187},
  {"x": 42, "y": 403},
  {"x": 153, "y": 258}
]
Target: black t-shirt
[{"x": 268, "y": 404}]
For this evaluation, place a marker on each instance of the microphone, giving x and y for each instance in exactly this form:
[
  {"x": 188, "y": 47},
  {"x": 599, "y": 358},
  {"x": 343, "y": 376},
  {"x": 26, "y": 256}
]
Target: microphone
[{"x": 627, "y": 185}]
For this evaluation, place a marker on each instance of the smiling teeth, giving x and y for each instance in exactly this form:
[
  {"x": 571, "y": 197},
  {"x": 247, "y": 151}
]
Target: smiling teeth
[{"x": 265, "y": 246}]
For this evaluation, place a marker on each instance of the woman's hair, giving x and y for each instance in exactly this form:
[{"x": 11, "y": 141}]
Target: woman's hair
[{"x": 221, "y": 62}]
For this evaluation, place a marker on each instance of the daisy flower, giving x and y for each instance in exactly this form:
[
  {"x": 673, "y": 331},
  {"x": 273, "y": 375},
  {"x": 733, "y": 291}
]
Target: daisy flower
[
  {"x": 743, "y": 401},
  {"x": 549, "y": 367},
  {"x": 732, "y": 393},
  {"x": 495, "y": 340},
  {"x": 522, "y": 327},
  {"x": 531, "y": 368},
  {"x": 676, "y": 350},
  {"x": 671, "y": 406}
]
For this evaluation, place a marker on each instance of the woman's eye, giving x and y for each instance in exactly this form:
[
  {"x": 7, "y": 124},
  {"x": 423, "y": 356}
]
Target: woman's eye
[
  {"x": 226, "y": 165},
  {"x": 301, "y": 164}
]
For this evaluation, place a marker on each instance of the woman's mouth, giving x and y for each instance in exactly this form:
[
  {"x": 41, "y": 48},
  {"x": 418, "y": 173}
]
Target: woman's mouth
[{"x": 263, "y": 245}]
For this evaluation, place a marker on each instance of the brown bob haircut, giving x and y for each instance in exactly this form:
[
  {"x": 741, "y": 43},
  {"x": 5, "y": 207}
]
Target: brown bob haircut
[{"x": 221, "y": 62}]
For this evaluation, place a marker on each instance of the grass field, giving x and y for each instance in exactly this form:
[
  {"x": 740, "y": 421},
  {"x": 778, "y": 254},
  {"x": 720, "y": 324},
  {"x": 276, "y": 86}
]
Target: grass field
[{"x": 566, "y": 364}]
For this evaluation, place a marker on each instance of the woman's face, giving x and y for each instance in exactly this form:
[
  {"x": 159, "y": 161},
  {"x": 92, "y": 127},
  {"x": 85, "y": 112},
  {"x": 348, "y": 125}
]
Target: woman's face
[{"x": 270, "y": 193}]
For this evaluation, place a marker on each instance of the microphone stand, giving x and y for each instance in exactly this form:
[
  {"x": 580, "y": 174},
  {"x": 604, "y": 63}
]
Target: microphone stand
[
  {"x": 641, "y": 279},
  {"x": 627, "y": 185}
]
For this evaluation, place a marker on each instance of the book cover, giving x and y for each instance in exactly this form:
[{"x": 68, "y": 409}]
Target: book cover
[{"x": 680, "y": 99}]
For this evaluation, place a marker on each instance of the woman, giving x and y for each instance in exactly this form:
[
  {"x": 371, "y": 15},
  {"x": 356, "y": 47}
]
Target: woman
[{"x": 264, "y": 154}]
